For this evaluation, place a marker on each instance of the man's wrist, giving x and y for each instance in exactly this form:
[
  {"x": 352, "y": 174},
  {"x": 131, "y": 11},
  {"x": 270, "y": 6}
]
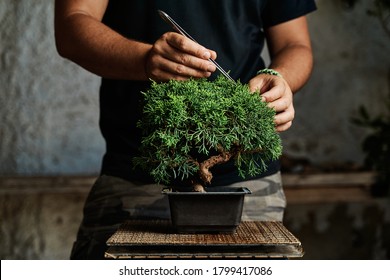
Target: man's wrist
[{"x": 269, "y": 71}]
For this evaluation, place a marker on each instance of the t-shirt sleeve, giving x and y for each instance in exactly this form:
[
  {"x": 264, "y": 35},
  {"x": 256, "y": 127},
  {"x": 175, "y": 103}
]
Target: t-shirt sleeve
[{"x": 278, "y": 11}]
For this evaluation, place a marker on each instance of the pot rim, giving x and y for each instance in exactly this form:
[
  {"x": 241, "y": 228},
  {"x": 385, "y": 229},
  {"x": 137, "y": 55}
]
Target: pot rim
[{"x": 212, "y": 191}]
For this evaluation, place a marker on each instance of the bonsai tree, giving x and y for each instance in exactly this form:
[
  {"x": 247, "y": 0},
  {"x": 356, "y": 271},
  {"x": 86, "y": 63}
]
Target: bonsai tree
[{"x": 191, "y": 126}]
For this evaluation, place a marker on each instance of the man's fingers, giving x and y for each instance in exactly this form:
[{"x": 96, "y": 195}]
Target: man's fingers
[
  {"x": 256, "y": 85},
  {"x": 190, "y": 61},
  {"x": 183, "y": 51},
  {"x": 188, "y": 46},
  {"x": 280, "y": 105},
  {"x": 278, "y": 95},
  {"x": 283, "y": 120},
  {"x": 283, "y": 127},
  {"x": 174, "y": 56},
  {"x": 166, "y": 69}
]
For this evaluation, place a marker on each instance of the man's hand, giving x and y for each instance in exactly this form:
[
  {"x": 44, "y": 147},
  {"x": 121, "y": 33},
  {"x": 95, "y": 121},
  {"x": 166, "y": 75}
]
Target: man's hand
[
  {"x": 174, "y": 56},
  {"x": 277, "y": 93}
]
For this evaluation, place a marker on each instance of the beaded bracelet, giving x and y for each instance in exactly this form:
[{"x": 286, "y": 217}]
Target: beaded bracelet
[{"x": 269, "y": 72}]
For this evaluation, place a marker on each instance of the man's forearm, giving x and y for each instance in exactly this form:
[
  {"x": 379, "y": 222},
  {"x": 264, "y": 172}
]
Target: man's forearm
[
  {"x": 94, "y": 46},
  {"x": 295, "y": 64}
]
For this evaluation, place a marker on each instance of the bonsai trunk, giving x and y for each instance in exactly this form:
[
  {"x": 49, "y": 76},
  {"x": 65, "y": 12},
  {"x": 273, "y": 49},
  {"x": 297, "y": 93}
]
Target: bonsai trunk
[{"x": 204, "y": 167}]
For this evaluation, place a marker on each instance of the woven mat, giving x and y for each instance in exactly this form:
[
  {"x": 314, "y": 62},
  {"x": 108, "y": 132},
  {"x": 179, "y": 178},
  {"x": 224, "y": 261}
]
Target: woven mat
[
  {"x": 153, "y": 238},
  {"x": 160, "y": 232}
]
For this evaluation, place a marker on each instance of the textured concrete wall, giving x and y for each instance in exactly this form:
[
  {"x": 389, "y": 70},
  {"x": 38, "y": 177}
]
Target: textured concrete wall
[
  {"x": 39, "y": 226},
  {"x": 49, "y": 106}
]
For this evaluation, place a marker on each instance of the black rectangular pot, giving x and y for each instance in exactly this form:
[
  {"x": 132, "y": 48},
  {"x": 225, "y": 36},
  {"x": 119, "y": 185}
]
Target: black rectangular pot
[{"x": 217, "y": 210}]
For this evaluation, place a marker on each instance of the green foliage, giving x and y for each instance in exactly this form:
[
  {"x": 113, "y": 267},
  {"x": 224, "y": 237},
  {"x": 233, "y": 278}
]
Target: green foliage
[
  {"x": 185, "y": 122},
  {"x": 381, "y": 10},
  {"x": 377, "y": 144},
  {"x": 383, "y": 4}
]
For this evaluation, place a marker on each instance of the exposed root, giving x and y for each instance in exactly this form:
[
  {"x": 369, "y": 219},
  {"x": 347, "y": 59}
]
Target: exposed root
[{"x": 198, "y": 188}]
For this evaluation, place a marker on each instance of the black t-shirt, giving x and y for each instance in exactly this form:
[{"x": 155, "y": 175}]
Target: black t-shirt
[{"x": 233, "y": 28}]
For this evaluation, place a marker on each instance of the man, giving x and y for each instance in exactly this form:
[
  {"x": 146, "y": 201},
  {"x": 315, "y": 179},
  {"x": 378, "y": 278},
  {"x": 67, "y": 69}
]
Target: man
[{"x": 127, "y": 44}]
